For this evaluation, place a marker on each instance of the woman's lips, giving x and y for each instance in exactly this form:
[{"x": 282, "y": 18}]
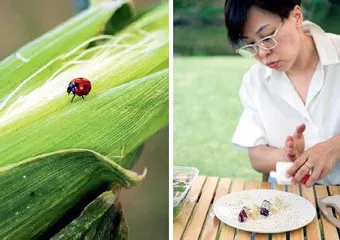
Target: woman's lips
[{"x": 273, "y": 64}]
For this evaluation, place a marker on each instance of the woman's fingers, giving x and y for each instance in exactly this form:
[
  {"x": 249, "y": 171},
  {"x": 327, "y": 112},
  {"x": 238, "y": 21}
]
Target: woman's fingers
[
  {"x": 297, "y": 164},
  {"x": 299, "y": 130},
  {"x": 300, "y": 174},
  {"x": 291, "y": 158},
  {"x": 290, "y": 151},
  {"x": 289, "y": 139},
  {"x": 316, "y": 172},
  {"x": 289, "y": 148}
]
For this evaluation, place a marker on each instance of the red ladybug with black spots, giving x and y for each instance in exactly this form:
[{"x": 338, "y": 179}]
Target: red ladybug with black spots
[{"x": 79, "y": 87}]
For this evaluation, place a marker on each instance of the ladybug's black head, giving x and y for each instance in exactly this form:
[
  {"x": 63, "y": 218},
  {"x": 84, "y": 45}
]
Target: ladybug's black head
[{"x": 70, "y": 88}]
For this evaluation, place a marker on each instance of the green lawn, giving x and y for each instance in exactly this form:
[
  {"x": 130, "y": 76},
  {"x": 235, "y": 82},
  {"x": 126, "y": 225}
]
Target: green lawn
[{"x": 206, "y": 111}]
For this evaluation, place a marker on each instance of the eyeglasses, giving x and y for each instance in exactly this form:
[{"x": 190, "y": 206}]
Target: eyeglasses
[{"x": 265, "y": 43}]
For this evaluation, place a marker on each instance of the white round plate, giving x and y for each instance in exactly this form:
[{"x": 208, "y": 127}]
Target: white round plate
[{"x": 297, "y": 211}]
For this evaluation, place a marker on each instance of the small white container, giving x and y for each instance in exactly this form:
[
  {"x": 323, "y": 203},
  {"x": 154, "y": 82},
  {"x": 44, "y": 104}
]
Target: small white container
[{"x": 280, "y": 173}]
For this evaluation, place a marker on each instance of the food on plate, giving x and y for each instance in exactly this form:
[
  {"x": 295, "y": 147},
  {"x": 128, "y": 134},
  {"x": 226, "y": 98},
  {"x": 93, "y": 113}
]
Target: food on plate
[
  {"x": 276, "y": 206},
  {"x": 243, "y": 215},
  {"x": 265, "y": 209},
  {"x": 254, "y": 212}
]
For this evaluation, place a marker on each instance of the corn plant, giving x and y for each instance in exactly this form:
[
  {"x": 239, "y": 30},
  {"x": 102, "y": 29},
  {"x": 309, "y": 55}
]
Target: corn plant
[{"x": 63, "y": 163}]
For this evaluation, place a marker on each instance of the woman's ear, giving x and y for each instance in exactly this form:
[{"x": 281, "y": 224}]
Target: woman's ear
[{"x": 297, "y": 15}]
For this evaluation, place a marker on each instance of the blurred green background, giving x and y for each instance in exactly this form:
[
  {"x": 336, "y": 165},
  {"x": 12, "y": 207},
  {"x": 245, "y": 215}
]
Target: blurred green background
[
  {"x": 199, "y": 24},
  {"x": 146, "y": 206},
  {"x": 207, "y": 78}
]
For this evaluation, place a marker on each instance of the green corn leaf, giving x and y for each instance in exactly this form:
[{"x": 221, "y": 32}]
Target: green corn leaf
[
  {"x": 38, "y": 191},
  {"x": 24, "y": 62},
  {"x": 113, "y": 123},
  {"x": 101, "y": 219}
]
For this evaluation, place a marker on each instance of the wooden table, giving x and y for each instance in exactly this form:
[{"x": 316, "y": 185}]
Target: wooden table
[{"x": 197, "y": 220}]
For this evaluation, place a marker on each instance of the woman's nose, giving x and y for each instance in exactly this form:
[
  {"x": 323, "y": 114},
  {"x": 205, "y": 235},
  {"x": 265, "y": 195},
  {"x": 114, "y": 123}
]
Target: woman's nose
[{"x": 262, "y": 52}]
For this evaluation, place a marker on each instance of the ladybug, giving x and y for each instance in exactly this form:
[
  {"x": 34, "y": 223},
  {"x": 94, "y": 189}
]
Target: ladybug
[{"x": 79, "y": 87}]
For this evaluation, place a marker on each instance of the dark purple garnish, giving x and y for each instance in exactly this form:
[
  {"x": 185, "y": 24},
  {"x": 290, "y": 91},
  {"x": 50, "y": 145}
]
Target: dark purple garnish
[
  {"x": 242, "y": 216},
  {"x": 264, "y": 211}
]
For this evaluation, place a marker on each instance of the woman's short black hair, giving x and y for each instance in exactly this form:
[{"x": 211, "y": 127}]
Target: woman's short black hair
[{"x": 235, "y": 13}]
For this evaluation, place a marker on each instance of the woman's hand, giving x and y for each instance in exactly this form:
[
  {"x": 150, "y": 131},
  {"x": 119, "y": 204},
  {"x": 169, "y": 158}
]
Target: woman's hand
[
  {"x": 295, "y": 145},
  {"x": 319, "y": 159}
]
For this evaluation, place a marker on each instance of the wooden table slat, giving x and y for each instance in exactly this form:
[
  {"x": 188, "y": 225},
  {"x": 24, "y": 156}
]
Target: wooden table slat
[
  {"x": 243, "y": 234},
  {"x": 265, "y": 185},
  {"x": 279, "y": 236},
  {"x": 212, "y": 223},
  {"x": 237, "y": 185},
  {"x": 296, "y": 234},
  {"x": 251, "y": 185},
  {"x": 312, "y": 229},
  {"x": 329, "y": 230},
  {"x": 190, "y": 201},
  {"x": 200, "y": 212},
  {"x": 228, "y": 232}
]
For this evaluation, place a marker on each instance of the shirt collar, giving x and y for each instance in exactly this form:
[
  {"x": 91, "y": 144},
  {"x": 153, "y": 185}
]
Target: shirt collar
[{"x": 325, "y": 47}]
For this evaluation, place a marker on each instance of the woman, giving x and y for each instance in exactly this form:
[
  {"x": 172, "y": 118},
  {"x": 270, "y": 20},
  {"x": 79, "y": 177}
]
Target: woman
[{"x": 293, "y": 89}]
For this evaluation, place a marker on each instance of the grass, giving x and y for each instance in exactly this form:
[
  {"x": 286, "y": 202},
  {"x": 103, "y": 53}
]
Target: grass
[{"x": 206, "y": 111}]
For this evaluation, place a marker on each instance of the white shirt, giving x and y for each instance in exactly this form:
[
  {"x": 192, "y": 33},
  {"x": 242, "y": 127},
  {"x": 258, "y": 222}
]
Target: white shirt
[{"x": 273, "y": 109}]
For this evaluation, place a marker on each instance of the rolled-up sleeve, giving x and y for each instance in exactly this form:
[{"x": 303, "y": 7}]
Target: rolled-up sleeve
[{"x": 249, "y": 131}]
